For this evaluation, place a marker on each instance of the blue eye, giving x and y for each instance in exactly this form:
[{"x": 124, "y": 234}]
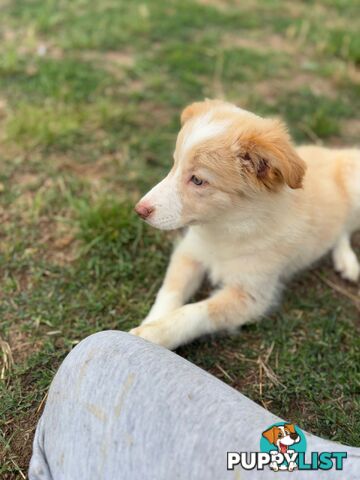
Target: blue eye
[{"x": 196, "y": 181}]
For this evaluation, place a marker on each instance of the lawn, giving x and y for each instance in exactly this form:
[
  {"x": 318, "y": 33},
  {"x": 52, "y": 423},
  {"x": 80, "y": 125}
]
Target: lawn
[{"x": 90, "y": 96}]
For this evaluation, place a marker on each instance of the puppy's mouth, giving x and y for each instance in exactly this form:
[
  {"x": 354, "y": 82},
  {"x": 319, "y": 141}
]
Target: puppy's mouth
[{"x": 283, "y": 448}]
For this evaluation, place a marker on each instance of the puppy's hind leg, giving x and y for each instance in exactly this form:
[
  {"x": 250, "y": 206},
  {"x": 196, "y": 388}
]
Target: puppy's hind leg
[{"x": 345, "y": 260}]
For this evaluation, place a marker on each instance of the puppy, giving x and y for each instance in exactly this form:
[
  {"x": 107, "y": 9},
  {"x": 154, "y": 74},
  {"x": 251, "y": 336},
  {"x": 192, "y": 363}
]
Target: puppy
[
  {"x": 257, "y": 211},
  {"x": 282, "y": 437}
]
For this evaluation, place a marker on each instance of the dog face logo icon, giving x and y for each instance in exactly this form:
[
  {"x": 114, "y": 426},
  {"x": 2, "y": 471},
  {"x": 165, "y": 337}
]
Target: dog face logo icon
[
  {"x": 283, "y": 436},
  {"x": 286, "y": 440}
]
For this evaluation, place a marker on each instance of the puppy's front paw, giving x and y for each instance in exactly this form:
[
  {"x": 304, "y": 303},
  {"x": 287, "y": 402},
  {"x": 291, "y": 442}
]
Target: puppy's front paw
[
  {"x": 150, "y": 318},
  {"x": 152, "y": 332}
]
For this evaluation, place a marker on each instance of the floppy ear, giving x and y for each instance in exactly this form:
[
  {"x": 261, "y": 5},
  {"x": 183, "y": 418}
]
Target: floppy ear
[
  {"x": 291, "y": 427},
  {"x": 272, "y": 156},
  {"x": 270, "y": 435}
]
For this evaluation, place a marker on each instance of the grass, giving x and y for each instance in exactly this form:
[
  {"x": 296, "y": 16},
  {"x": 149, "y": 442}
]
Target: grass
[{"x": 90, "y": 96}]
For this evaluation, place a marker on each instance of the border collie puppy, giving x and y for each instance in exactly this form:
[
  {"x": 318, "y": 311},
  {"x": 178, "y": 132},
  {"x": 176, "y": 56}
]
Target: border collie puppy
[{"x": 257, "y": 210}]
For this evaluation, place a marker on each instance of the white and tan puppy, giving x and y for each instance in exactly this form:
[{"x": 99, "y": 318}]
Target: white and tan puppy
[{"x": 257, "y": 211}]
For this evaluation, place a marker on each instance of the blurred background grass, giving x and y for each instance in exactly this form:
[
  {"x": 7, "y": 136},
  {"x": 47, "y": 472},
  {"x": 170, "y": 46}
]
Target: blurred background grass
[{"x": 90, "y": 96}]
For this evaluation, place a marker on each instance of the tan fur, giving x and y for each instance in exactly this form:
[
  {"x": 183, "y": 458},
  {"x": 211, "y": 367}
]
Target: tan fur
[
  {"x": 224, "y": 306},
  {"x": 175, "y": 280},
  {"x": 261, "y": 139},
  {"x": 197, "y": 108}
]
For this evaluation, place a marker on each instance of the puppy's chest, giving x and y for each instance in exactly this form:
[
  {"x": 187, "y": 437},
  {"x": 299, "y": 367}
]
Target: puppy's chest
[
  {"x": 227, "y": 260},
  {"x": 223, "y": 271},
  {"x": 227, "y": 264}
]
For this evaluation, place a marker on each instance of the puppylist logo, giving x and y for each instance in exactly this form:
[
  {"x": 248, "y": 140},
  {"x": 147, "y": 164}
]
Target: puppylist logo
[{"x": 282, "y": 448}]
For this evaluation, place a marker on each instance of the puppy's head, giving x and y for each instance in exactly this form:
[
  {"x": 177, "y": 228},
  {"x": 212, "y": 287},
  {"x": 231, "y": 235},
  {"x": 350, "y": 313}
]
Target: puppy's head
[
  {"x": 223, "y": 155},
  {"x": 282, "y": 436}
]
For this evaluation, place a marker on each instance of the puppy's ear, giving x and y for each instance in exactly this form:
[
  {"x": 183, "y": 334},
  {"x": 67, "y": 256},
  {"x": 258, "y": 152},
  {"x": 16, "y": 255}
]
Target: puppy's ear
[
  {"x": 291, "y": 427},
  {"x": 267, "y": 150},
  {"x": 270, "y": 435}
]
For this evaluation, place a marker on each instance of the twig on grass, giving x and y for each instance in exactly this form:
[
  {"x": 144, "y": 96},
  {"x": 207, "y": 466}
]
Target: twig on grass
[
  {"x": 269, "y": 352},
  {"x": 224, "y": 372},
  {"x": 42, "y": 403},
  {"x": 269, "y": 373},
  {"x": 18, "y": 469},
  {"x": 339, "y": 289},
  {"x": 7, "y": 358},
  {"x": 265, "y": 369}
]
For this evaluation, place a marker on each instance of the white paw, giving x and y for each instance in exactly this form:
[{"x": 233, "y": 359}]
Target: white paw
[
  {"x": 347, "y": 264},
  {"x": 153, "y": 332},
  {"x": 148, "y": 319},
  {"x": 292, "y": 466}
]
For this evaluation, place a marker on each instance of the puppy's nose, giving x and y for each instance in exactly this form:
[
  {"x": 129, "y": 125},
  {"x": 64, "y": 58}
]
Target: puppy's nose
[
  {"x": 143, "y": 211},
  {"x": 294, "y": 436}
]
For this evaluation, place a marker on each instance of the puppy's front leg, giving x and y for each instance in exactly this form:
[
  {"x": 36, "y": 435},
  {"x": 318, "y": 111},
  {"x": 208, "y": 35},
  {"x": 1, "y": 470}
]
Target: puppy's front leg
[
  {"x": 228, "y": 308},
  {"x": 182, "y": 279}
]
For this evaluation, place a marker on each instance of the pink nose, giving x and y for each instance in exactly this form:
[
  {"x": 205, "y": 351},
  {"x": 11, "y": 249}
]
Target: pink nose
[{"x": 143, "y": 211}]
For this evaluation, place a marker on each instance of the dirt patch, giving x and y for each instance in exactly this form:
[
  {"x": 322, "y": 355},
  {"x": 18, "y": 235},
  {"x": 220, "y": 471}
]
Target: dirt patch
[
  {"x": 95, "y": 172},
  {"x": 353, "y": 73},
  {"x": 114, "y": 62},
  {"x": 26, "y": 179},
  {"x": 57, "y": 242},
  {"x": 22, "y": 344},
  {"x": 270, "y": 90},
  {"x": 19, "y": 433},
  {"x": 221, "y": 5},
  {"x": 120, "y": 58},
  {"x": 325, "y": 15},
  {"x": 271, "y": 43}
]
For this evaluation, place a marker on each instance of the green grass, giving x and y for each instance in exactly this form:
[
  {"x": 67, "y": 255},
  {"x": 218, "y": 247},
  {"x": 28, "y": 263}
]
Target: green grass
[{"x": 91, "y": 124}]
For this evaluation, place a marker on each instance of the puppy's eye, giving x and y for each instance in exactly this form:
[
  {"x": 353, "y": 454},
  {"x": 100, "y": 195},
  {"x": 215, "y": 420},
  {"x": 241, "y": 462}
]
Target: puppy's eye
[
  {"x": 196, "y": 181},
  {"x": 279, "y": 435}
]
